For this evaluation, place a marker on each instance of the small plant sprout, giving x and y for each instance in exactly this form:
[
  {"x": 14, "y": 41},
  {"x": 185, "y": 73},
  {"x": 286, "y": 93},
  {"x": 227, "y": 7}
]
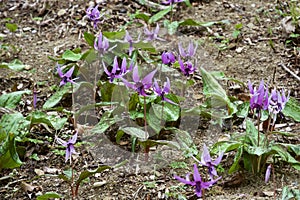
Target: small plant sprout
[
  {"x": 163, "y": 91},
  {"x": 140, "y": 86},
  {"x": 268, "y": 173},
  {"x": 117, "y": 72},
  {"x": 190, "y": 51},
  {"x": 69, "y": 146},
  {"x": 67, "y": 77},
  {"x": 101, "y": 44},
  {"x": 186, "y": 68},
  {"x": 207, "y": 161},
  {"x": 129, "y": 39},
  {"x": 197, "y": 181},
  {"x": 152, "y": 35},
  {"x": 277, "y": 103},
  {"x": 94, "y": 15},
  {"x": 168, "y": 58}
]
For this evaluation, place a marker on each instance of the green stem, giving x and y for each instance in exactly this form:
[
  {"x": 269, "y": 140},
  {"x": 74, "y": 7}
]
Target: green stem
[
  {"x": 258, "y": 121},
  {"x": 145, "y": 121},
  {"x": 171, "y": 13}
]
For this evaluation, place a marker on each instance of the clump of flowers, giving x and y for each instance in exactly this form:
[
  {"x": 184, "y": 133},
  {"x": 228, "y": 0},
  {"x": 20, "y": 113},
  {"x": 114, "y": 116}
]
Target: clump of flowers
[
  {"x": 152, "y": 35},
  {"x": 101, "y": 44},
  {"x": 163, "y": 91},
  {"x": 69, "y": 146},
  {"x": 94, "y": 15},
  {"x": 187, "y": 68},
  {"x": 259, "y": 97},
  {"x": 168, "y": 58},
  {"x": 277, "y": 103},
  {"x": 117, "y": 71}
]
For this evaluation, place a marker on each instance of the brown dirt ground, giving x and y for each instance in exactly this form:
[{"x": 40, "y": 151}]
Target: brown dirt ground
[{"x": 250, "y": 57}]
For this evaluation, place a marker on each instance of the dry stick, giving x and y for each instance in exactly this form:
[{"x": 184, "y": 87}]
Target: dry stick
[{"x": 288, "y": 70}]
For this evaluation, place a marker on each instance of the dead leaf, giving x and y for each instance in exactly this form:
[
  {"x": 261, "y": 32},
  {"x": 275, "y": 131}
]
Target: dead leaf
[
  {"x": 287, "y": 25},
  {"x": 39, "y": 172},
  {"x": 27, "y": 187}
]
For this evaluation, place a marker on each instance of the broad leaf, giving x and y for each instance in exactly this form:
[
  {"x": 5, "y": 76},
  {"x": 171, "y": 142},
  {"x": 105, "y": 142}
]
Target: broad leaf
[
  {"x": 89, "y": 38},
  {"x": 8, "y": 155},
  {"x": 235, "y": 166},
  {"x": 159, "y": 15},
  {"x": 292, "y": 109},
  {"x": 57, "y": 96},
  {"x": 11, "y": 100},
  {"x": 105, "y": 122},
  {"x": 167, "y": 112},
  {"x": 49, "y": 195},
  {"x": 87, "y": 173},
  {"x": 71, "y": 56},
  {"x": 54, "y": 121},
  {"x": 13, "y": 123},
  {"x": 136, "y": 132},
  {"x": 14, "y": 65}
]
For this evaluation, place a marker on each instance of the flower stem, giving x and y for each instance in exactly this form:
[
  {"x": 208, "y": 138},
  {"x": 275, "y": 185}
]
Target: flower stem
[
  {"x": 258, "y": 121},
  {"x": 145, "y": 121}
]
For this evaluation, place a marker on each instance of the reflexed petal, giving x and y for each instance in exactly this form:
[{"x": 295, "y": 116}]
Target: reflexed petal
[
  {"x": 250, "y": 86},
  {"x": 135, "y": 74},
  {"x": 128, "y": 84},
  {"x": 123, "y": 66},
  {"x": 62, "y": 142},
  {"x": 68, "y": 154},
  {"x": 181, "y": 50},
  {"x": 106, "y": 71},
  {"x": 218, "y": 160},
  {"x": 128, "y": 38},
  {"x": 147, "y": 81},
  {"x": 59, "y": 71},
  {"x": 156, "y": 88},
  {"x": 167, "y": 86},
  {"x": 182, "y": 67},
  {"x": 196, "y": 174},
  {"x": 188, "y": 182},
  {"x": 156, "y": 29},
  {"x": 208, "y": 184},
  {"x": 147, "y": 31},
  {"x": 70, "y": 72},
  {"x": 205, "y": 157},
  {"x": 73, "y": 139},
  {"x": 115, "y": 65}
]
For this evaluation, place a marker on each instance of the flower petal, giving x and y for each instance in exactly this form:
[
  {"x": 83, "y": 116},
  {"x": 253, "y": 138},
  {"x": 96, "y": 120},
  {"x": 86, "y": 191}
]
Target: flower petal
[
  {"x": 197, "y": 177},
  {"x": 147, "y": 81},
  {"x": 188, "y": 182},
  {"x": 135, "y": 74}
]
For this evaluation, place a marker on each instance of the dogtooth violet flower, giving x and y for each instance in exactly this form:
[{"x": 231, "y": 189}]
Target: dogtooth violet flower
[
  {"x": 129, "y": 39},
  {"x": 277, "y": 102},
  {"x": 101, "y": 44},
  {"x": 117, "y": 71},
  {"x": 94, "y": 15},
  {"x": 168, "y": 2},
  {"x": 197, "y": 182},
  {"x": 69, "y": 146},
  {"x": 163, "y": 91},
  {"x": 186, "y": 68},
  {"x": 208, "y": 162},
  {"x": 268, "y": 173},
  {"x": 259, "y": 97},
  {"x": 168, "y": 58},
  {"x": 67, "y": 77},
  {"x": 152, "y": 35},
  {"x": 139, "y": 85},
  {"x": 191, "y": 50}
]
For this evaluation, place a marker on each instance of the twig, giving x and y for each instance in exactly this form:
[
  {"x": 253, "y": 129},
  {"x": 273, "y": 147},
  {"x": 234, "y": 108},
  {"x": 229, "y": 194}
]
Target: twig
[
  {"x": 288, "y": 70},
  {"x": 152, "y": 5}
]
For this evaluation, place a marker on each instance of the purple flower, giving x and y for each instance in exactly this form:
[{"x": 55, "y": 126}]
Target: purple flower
[
  {"x": 117, "y": 72},
  {"x": 65, "y": 77},
  {"x": 152, "y": 35},
  {"x": 101, "y": 44},
  {"x": 69, "y": 146},
  {"x": 94, "y": 15},
  {"x": 259, "y": 97},
  {"x": 129, "y": 39},
  {"x": 168, "y": 58},
  {"x": 207, "y": 161},
  {"x": 277, "y": 102},
  {"x": 190, "y": 51},
  {"x": 140, "y": 85},
  {"x": 186, "y": 68},
  {"x": 163, "y": 91},
  {"x": 268, "y": 173},
  {"x": 197, "y": 182},
  {"x": 34, "y": 98},
  {"x": 168, "y": 2}
]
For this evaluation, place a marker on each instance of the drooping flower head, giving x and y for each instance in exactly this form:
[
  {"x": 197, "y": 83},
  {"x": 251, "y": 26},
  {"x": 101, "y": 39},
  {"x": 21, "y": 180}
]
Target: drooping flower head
[
  {"x": 117, "y": 71},
  {"x": 139, "y": 85},
  {"x": 197, "y": 182},
  {"x": 69, "y": 146},
  {"x": 163, "y": 91},
  {"x": 277, "y": 102},
  {"x": 67, "y": 77},
  {"x": 190, "y": 52},
  {"x": 129, "y": 39},
  {"x": 208, "y": 162},
  {"x": 168, "y": 58},
  {"x": 259, "y": 97},
  {"x": 186, "y": 68},
  {"x": 169, "y": 2},
  {"x": 94, "y": 15},
  {"x": 101, "y": 44},
  {"x": 152, "y": 35}
]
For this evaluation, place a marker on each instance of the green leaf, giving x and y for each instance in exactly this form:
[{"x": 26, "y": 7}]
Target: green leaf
[
  {"x": 136, "y": 132},
  {"x": 71, "y": 56},
  {"x": 243, "y": 110},
  {"x": 117, "y": 35},
  {"x": 105, "y": 122},
  {"x": 38, "y": 117},
  {"x": 159, "y": 15},
  {"x": 49, "y": 195},
  {"x": 8, "y": 155},
  {"x": 235, "y": 166},
  {"x": 89, "y": 38},
  {"x": 252, "y": 133},
  {"x": 106, "y": 91},
  {"x": 145, "y": 46},
  {"x": 154, "y": 122},
  {"x": 13, "y": 123},
  {"x": 167, "y": 112},
  {"x": 57, "y": 96},
  {"x": 11, "y": 27},
  {"x": 225, "y": 146},
  {"x": 171, "y": 26},
  {"x": 292, "y": 109},
  {"x": 14, "y": 65},
  {"x": 87, "y": 173},
  {"x": 142, "y": 16},
  {"x": 11, "y": 100}
]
